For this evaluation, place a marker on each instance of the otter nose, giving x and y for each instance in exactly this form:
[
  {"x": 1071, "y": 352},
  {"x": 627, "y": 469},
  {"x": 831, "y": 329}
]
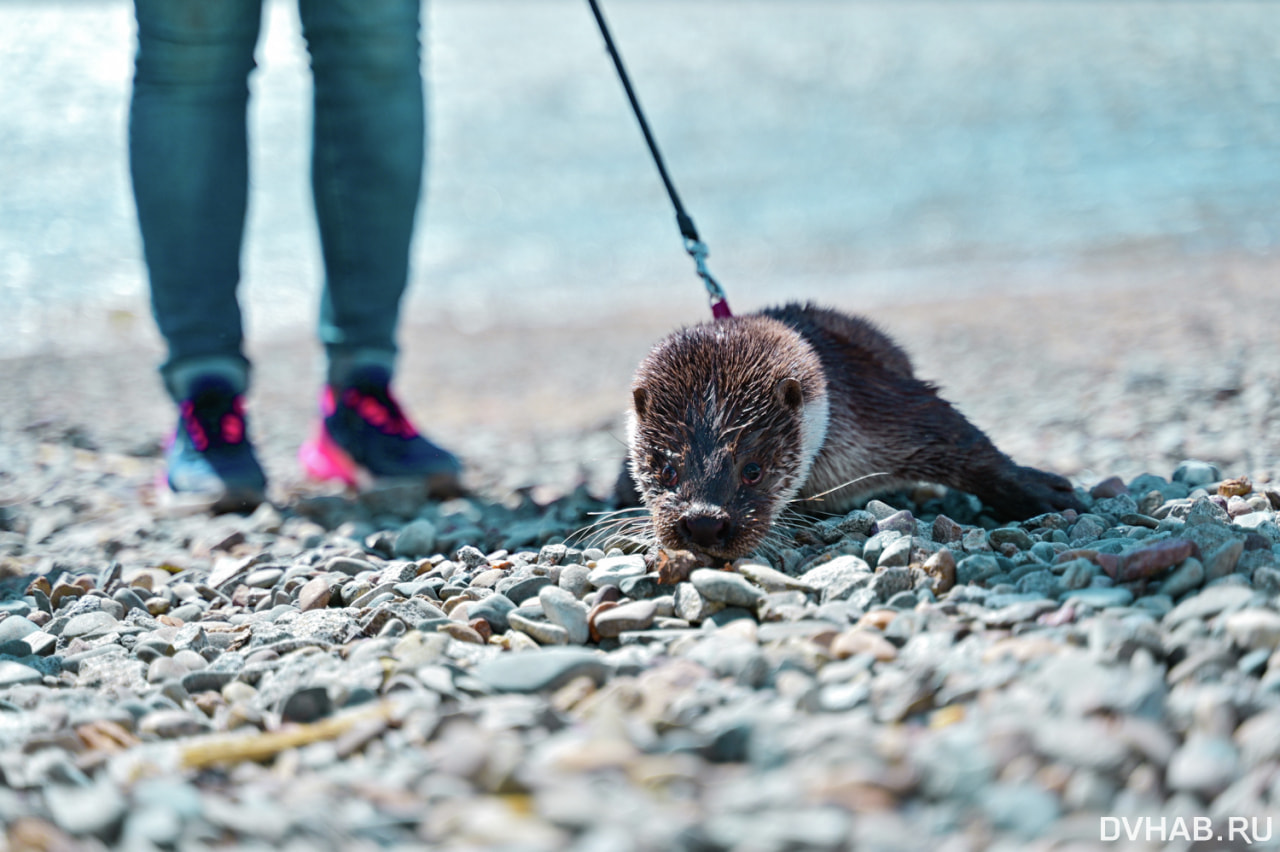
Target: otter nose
[{"x": 704, "y": 530}]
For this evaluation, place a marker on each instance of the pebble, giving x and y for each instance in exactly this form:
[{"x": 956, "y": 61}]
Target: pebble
[
  {"x": 535, "y": 671},
  {"x": 416, "y": 539},
  {"x": 1254, "y": 629},
  {"x": 612, "y": 570},
  {"x": 1204, "y": 765},
  {"x": 726, "y": 587},
  {"x": 91, "y": 809},
  {"x": 637, "y": 615},
  {"x": 562, "y": 608},
  {"x": 981, "y": 686},
  {"x": 1101, "y": 598}
]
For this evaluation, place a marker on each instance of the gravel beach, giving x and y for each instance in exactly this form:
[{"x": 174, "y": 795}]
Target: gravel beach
[{"x": 335, "y": 672}]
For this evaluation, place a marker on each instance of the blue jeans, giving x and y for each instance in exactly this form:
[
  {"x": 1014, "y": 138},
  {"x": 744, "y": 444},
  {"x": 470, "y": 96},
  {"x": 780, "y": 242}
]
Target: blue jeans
[{"x": 188, "y": 156}]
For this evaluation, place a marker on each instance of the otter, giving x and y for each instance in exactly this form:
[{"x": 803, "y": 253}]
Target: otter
[{"x": 734, "y": 420}]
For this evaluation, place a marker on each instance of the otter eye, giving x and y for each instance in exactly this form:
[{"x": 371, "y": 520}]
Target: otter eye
[
  {"x": 751, "y": 473},
  {"x": 668, "y": 476}
]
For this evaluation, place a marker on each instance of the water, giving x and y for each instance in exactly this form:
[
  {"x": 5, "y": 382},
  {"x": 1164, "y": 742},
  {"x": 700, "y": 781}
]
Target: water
[{"x": 839, "y": 150}]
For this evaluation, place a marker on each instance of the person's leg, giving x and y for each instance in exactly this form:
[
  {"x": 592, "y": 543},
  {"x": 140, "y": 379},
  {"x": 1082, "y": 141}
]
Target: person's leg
[
  {"x": 188, "y": 157},
  {"x": 367, "y": 164}
]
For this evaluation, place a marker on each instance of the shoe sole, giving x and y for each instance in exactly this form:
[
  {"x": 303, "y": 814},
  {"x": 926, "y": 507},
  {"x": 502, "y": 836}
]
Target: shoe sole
[{"x": 324, "y": 461}]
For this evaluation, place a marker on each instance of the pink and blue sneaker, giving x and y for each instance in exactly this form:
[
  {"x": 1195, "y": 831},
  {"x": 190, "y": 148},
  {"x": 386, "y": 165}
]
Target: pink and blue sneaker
[
  {"x": 210, "y": 463},
  {"x": 364, "y": 438}
]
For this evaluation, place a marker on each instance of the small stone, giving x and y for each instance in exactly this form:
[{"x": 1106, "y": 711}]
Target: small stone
[
  {"x": 1194, "y": 473},
  {"x": 522, "y": 590},
  {"x": 726, "y": 587},
  {"x": 347, "y": 565},
  {"x": 941, "y": 566},
  {"x": 637, "y": 615},
  {"x": 1009, "y": 535},
  {"x": 888, "y": 582},
  {"x": 1112, "y": 486},
  {"x": 771, "y": 579},
  {"x": 494, "y": 609},
  {"x": 1254, "y": 629},
  {"x": 416, "y": 539},
  {"x": 574, "y": 579},
  {"x": 614, "y": 569},
  {"x": 264, "y": 578},
  {"x": 1222, "y": 561},
  {"x": 314, "y": 594},
  {"x": 16, "y": 627},
  {"x": 1100, "y": 598},
  {"x": 691, "y": 606},
  {"x": 464, "y": 632},
  {"x": 171, "y": 724},
  {"x": 1204, "y": 765},
  {"x": 946, "y": 531},
  {"x": 1153, "y": 560},
  {"x": 859, "y": 640},
  {"x": 88, "y": 625},
  {"x": 546, "y": 669},
  {"x": 542, "y": 632},
  {"x": 93, "y": 809},
  {"x": 1206, "y": 511},
  {"x": 1208, "y": 603},
  {"x": 857, "y": 522},
  {"x": 901, "y": 522},
  {"x": 1024, "y": 809},
  {"x": 896, "y": 554},
  {"x": 307, "y": 705},
  {"x": 976, "y": 569},
  {"x": 1186, "y": 577},
  {"x": 564, "y": 609},
  {"x": 836, "y": 579},
  {"x": 14, "y": 673}
]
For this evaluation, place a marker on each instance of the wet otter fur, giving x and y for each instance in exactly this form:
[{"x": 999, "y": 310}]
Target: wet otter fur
[{"x": 735, "y": 420}]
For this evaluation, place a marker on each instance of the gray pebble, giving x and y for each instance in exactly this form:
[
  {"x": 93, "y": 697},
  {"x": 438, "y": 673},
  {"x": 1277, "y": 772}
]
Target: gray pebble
[
  {"x": 612, "y": 570},
  {"x": 1009, "y": 535},
  {"x": 1204, "y": 765},
  {"x": 494, "y": 609},
  {"x": 542, "y": 632},
  {"x": 14, "y": 673},
  {"x": 94, "y": 809},
  {"x": 1193, "y": 472},
  {"x": 637, "y": 615},
  {"x": 564, "y": 609},
  {"x": 416, "y": 539},
  {"x": 1101, "y": 598},
  {"x": 1185, "y": 577},
  {"x": 89, "y": 625},
  {"x": 529, "y": 587},
  {"x": 726, "y": 587},
  {"x": 534, "y": 671}
]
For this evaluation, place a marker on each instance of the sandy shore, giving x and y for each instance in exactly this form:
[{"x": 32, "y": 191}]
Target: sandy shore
[{"x": 1094, "y": 378}]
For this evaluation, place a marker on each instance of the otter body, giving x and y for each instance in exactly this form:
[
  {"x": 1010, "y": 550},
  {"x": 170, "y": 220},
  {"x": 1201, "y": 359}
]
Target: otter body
[{"x": 735, "y": 420}]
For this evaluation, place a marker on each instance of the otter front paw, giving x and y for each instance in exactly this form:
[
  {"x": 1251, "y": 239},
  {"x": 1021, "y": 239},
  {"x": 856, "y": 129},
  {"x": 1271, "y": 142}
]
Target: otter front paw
[{"x": 1024, "y": 492}]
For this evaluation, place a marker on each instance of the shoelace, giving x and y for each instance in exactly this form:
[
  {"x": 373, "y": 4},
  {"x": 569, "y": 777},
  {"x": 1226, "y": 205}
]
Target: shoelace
[
  {"x": 377, "y": 407},
  {"x": 210, "y": 420}
]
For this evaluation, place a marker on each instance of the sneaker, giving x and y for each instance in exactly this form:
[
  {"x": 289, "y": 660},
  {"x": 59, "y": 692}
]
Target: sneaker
[
  {"x": 209, "y": 461},
  {"x": 364, "y": 436}
]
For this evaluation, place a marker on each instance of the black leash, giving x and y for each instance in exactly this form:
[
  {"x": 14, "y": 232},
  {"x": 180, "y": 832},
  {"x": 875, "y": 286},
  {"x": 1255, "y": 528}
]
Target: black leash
[{"x": 696, "y": 248}]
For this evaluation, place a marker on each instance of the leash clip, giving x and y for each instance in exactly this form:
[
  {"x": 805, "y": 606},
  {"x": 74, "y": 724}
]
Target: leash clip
[{"x": 698, "y": 250}]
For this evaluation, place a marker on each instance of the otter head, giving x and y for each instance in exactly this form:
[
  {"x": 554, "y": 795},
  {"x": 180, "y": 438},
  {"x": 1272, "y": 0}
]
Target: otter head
[{"x": 727, "y": 418}]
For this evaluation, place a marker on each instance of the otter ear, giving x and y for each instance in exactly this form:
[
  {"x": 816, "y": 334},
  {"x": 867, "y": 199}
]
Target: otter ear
[
  {"x": 789, "y": 393},
  {"x": 640, "y": 397}
]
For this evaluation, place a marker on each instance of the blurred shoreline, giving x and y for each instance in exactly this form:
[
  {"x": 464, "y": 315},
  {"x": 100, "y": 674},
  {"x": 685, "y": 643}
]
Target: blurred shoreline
[{"x": 870, "y": 151}]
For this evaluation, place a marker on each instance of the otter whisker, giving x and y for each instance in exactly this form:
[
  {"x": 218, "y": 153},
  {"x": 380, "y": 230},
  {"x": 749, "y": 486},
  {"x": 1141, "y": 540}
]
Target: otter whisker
[{"x": 839, "y": 487}]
